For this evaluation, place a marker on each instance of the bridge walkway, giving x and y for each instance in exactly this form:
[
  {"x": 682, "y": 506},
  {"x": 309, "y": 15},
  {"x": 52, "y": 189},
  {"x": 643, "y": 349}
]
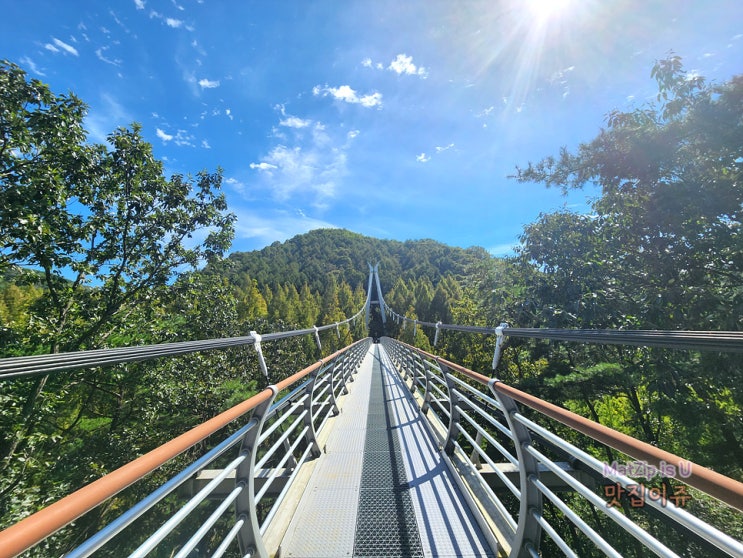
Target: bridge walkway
[{"x": 381, "y": 488}]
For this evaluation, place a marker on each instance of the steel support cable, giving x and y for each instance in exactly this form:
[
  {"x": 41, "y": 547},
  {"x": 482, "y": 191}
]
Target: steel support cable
[
  {"x": 33, "y": 529},
  {"x": 723, "y": 341},
  {"x": 719, "y": 486},
  {"x": 29, "y": 366}
]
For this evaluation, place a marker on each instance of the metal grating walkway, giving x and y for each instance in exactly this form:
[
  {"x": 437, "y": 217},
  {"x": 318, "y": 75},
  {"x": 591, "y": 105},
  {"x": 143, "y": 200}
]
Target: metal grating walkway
[{"x": 381, "y": 488}]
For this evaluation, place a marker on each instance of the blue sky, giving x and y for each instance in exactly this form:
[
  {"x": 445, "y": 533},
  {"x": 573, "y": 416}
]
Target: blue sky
[{"x": 395, "y": 119}]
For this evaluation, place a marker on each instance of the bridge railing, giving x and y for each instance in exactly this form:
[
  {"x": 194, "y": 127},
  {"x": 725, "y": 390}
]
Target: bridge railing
[
  {"x": 249, "y": 471},
  {"x": 507, "y": 449}
]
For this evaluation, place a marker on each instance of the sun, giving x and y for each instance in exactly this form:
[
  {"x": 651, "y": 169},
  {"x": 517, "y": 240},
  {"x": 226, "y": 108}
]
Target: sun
[{"x": 548, "y": 9}]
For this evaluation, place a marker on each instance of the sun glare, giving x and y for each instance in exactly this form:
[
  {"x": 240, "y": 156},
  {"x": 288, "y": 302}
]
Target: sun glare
[{"x": 547, "y": 9}]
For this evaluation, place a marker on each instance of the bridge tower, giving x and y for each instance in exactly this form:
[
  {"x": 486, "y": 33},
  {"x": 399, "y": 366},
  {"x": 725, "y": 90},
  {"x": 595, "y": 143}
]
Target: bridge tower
[{"x": 376, "y": 314}]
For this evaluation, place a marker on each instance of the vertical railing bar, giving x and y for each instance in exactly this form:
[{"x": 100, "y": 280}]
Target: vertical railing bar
[
  {"x": 529, "y": 530},
  {"x": 275, "y": 470},
  {"x": 282, "y": 494},
  {"x": 102, "y": 537},
  {"x": 222, "y": 548},
  {"x": 284, "y": 436},
  {"x": 706, "y": 531},
  {"x": 554, "y": 535},
  {"x": 249, "y": 536},
  {"x": 176, "y": 519},
  {"x": 211, "y": 520},
  {"x": 574, "y": 518}
]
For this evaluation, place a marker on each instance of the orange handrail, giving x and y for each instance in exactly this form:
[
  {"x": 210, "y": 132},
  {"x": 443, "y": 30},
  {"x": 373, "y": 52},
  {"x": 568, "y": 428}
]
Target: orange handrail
[
  {"x": 33, "y": 529},
  {"x": 725, "y": 489}
]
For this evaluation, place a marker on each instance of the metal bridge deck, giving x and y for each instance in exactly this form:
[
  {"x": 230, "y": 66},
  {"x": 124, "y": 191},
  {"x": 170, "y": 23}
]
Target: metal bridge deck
[{"x": 381, "y": 488}]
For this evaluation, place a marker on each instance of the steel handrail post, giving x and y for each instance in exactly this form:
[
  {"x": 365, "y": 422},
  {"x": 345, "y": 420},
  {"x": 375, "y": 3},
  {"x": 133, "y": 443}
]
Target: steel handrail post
[
  {"x": 529, "y": 530},
  {"x": 454, "y": 413},
  {"x": 333, "y": 401},
  {"x": 427, "y": 392},
  {"x": 309, "y": 416},
  {"x": 249, "y": 536},
  {"x": 475, "y": 457},
  {"x": 409, "y": 368}
]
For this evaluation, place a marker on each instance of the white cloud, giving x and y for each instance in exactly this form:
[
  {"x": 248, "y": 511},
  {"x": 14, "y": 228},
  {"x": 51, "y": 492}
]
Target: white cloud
[
  {"x": 139, "y": 4},
  {"x": 101, "y": 56},
  {"x": 172, "y": 22},
  {"x": 228, "y": 112},
  {"x": 32, "y": 66},
  {"x": 163, "y": 136},
  {"x": 294, "y": 122},
  {"x": 352, "y": 134},
  {"x": 263, "y": 166},
  {"x": 347, "y": 94},
  {"x": 205, "y": 144},
  {"x": 440, "y": 149},
  {"x": 503, "y": 250},
  {"x": 373, "y": 100},
  {"x": 105, "y": 116},
  {"x": 423, "y": 158},
  {"x": 69, "y": 49},
  {"x": 181, "y": 138},
  {"x": 208, "y": 84},
  {"x": 276, "y": 225},
  {"x": 299, "y": 172},
  {"x": 403, "y": 64}
]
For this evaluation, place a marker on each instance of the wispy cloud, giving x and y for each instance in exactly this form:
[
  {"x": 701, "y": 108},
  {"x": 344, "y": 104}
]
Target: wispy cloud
[
  {"x": 56, "y": 45},
  {"x": 32, "y": 66},
  {"x": 263, "y": 166},
  {"x": 208, "y": 84},
  {"x": 181, "y": 138},
  {"x": 265, "y": 227},
  {"x": 307, "y": 166},
  {"x": 100, "y": 54},
  {"x": 105, "y": 116},
  {"x": 163, "y": 136},
  {"x": 402, "y": 64},
  {"x": 170, "y": 21},
  {"x": 503, "y": 250},
  {"x": 347, "y": 94},
  {"x": 295, "y": 122},
  {"x": 139, "y": 4},
  {"x": 424, "y": 157}
]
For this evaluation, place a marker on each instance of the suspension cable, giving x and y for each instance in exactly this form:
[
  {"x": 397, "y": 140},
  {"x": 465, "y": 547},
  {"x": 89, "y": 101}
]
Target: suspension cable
[
  {"x": 29, "y": 366},
  {"x": 722, "y": 341}
]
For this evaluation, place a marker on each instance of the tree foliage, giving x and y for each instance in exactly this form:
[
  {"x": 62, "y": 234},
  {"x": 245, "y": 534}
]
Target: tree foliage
[{"x": 662, "y": 249}]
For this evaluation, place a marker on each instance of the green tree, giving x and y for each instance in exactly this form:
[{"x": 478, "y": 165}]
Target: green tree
[
  {"x": 108, "y": 233},
  {"x": 661, "y": 250}
]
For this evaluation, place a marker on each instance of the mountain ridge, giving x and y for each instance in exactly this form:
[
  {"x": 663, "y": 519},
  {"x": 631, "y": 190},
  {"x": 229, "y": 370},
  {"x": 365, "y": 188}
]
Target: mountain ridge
[{"x": 308, "y": 258}]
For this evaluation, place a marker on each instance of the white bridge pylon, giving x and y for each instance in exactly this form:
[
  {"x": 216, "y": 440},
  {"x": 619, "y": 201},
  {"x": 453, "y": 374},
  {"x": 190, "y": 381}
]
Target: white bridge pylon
[{"x": 374, "y": 274}]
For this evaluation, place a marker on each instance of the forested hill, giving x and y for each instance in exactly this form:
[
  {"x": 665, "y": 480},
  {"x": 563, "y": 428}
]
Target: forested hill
[{"x": 309, "y": 258}]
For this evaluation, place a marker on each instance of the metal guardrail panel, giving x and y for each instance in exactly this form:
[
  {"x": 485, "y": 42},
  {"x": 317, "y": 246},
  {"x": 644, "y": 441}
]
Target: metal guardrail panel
[{"x": 658, "y": 528}]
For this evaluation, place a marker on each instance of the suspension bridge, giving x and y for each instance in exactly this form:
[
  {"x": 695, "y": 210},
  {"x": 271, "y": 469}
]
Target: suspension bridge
[{"x": 382, "y": 449}]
